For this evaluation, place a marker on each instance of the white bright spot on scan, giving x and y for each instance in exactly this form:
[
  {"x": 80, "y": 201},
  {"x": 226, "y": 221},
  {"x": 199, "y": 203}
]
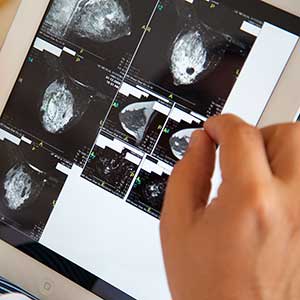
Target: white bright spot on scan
[
  {"x": 103, "y": 20},
  {"x": 180, "y": 141},
  {"x": 17, "y": 186},
  {"x": 59, "y": 15},
  {"x": 188, "y": 58},
  {"x": 57, "y": 107}
]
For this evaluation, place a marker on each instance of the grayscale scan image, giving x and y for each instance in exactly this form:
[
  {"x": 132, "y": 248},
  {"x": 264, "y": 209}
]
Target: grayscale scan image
[
  {"x": 111, "y": 170},
  {"x": 135, "y": 119},
  {"x": 113, "y": 91},
  {"x": 200, "y": 54},
  {"x": 22, "y": 185},
  {"x": 148, "y": 191},
  {"x": 189, "y": 57},
  {"x": 30, "y": 186},
  {"x": 65, "y": 113},
  {"x": 107, "y": 29},
  {"x": 179, "y": 142},
  {"x": 176, "y": 135},
  {"x": 100, "y": 20},
  {"x": 58, "y": 107},
  {"x": 194, "y": 53},
  {"x": 59, "y": 16}
]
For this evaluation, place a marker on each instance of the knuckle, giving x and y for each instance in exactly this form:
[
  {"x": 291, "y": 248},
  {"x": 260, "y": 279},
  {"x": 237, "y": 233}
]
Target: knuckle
[
  {"x": 266, "y": 206},
  {"x": 262, "y": 210},
  {"x": 261, "y": 204}
]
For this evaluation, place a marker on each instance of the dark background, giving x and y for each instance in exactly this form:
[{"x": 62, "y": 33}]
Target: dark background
[
  {"x": 137, "y": 195},
  {"x": 113, "y": 124},
  {"x": 32, "y": 217},
  {"x": 118, "y": 181},
  {"x": 163, "y": 150},
  {"x": 153, "y": 58},
  {"x": 112, "y": 53},
  {"x": 22, "y": 111}
]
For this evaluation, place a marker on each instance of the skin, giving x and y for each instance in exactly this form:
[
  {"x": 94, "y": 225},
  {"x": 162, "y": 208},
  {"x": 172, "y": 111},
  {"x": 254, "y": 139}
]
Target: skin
[{"x": 246, "y": 244}]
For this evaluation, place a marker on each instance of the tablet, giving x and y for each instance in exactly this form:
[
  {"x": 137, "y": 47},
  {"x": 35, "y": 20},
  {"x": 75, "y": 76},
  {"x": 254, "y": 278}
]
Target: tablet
[{"x": 101, "y": 108}]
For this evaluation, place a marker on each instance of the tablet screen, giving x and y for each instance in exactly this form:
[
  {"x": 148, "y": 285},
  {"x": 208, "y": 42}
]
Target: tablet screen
[{"x": 105, "y": 105}]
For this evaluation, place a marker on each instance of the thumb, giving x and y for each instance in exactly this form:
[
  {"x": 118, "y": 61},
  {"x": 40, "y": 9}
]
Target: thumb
[{"x": 190, "y": 182}]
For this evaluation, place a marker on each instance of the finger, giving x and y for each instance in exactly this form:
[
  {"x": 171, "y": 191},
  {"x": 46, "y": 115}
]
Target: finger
[
  {"x": 189, "y": 185},
  {"x": 283, "y": 149},
  {"x": 242, "y": 152}
]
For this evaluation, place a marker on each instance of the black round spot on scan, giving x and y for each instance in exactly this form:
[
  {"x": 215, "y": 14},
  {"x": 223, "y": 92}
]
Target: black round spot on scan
[{"x": 190, "y": 71}]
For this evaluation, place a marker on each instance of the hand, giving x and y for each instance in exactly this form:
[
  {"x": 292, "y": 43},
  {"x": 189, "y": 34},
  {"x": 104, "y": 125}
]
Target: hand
[{"x": 246, "y": 244}]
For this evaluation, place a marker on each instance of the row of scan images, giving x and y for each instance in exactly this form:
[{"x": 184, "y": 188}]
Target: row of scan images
[
  {"x": 65, "y": 108},
  {"x": 155, "y": 125},
  {"x": 118, "y": 163},
  {"x": 31, "y": 182},
  {"x": 142, "y": 138},
  {"x": 30, "y": 186},
  {"x": 202, "y": 31},
  {"x": 72, "y": 85},
  {"x": 130, "y": 174},
  {"x": 193, "y": 50},
  {"x": 64, "y": 91}
]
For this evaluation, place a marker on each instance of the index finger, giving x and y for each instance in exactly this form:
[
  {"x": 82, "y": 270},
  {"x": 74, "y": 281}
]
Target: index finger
[
  {"x": 189, "y": 185},
  {"x": 242, "y": 151}
]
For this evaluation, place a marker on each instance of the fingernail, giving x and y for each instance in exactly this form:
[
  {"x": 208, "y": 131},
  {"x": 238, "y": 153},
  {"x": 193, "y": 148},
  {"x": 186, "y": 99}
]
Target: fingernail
[{"x": 194, "y": 138}]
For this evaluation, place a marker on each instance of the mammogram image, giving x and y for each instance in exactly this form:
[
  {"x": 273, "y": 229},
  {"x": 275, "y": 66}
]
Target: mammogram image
[
  {"x": 176, "y": 136},
  {"x": 180, "y": 140},
  {"x": 22, "y": 183},
  {"x": 58, "y": 107},
  {"x": 100, "y": 20},
  {"x": 194, "y": 53},
  {"x": 189, "y": 57},
  {"x": 69, "y": 95},
  {"x": 29, "y": 187},
  {"x": 137, "y": 121},
  {"x": 200, "y": 55},
  {"x": 59, "y": 16},
  {"x": 136, "y": 117},
  {"x": 109, "y": 29},
  {"x": 148, "y": 192},
  {"x": 110, "y": 170},
  {"x": 66, "y": 111}
]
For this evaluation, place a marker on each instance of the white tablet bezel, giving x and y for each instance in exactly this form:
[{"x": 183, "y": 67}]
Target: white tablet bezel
[
  {"x": 17, "y": 43},
  {"x": 31, "y": 274},
  {"x": 284, "y": 105}
]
